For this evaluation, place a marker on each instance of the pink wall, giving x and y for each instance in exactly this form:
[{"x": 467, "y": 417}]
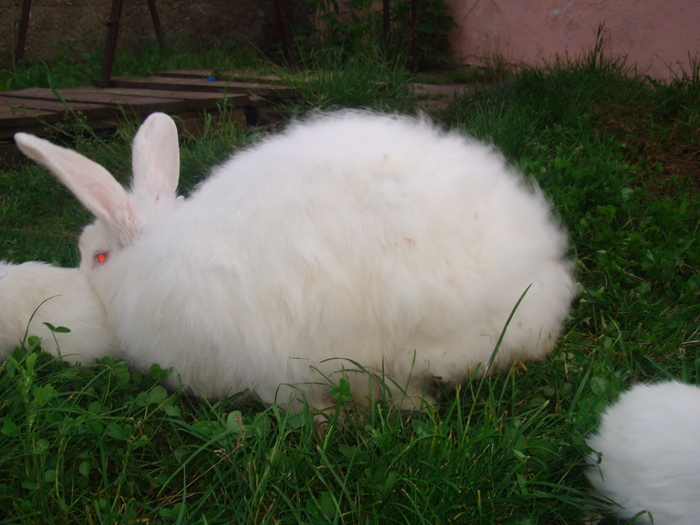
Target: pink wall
[{"x": 654, "y": 34}]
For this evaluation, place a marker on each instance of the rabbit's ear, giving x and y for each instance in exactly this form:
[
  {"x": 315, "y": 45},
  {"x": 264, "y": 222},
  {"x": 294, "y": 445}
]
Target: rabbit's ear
[
  {"x": 156, "y": 163},
  {"x": 92, "y": 184}
]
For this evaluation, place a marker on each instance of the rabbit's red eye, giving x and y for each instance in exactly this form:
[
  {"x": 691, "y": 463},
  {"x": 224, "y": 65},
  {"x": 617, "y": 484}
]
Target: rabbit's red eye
[{"x": 100, "y": 258}]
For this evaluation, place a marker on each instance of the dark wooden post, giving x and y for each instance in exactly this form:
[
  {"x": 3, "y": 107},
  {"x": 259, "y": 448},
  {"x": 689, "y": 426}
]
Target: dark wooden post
[
  {"x": 414, "y": 34},
  {"x": 113, "y": 31},
  {"x": 111, "y": 45},
  {"x": 386, "y": 19},
  {"x": 23, "y": 26},
  {"x": 156, "y": 22},
  {"x": 286, "y": 33}
]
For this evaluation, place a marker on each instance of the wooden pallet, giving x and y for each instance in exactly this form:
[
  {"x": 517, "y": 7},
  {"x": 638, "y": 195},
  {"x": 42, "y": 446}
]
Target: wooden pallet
[{"x": 187, "y": 96}]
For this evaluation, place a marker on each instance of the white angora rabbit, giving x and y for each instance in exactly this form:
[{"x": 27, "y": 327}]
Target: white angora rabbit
[
  {"x": 68, "y": 300},
  {"x": 649, "y": 444},
  {"x": 380, "y": 240}
]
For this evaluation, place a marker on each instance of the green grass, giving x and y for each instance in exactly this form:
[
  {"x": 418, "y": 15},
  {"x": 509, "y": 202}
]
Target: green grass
[
  {"x": 336, "y": 78},
  {"x": 69, "y": 71},
  {"x": 618, "y": 156}
]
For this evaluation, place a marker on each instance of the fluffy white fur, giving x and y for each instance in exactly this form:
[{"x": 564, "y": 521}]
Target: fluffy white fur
[
  {"x": 648, "y": 443},
  {"x": 68, "y": 300},
  {"x": 372, "y": 238}
]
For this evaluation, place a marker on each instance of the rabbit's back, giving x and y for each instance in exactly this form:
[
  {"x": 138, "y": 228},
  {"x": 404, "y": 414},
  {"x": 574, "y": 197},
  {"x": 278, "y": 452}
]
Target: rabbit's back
[{"x": 354, "y": 236}]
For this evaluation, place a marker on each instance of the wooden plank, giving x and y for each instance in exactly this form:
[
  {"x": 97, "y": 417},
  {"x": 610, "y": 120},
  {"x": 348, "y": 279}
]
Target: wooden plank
[
  {"x": 32, "y": 93},
  {"x": 138, "y": 104},
  {"x": 10, "y": 155},
  {"x": 19, "y": 124},
  {"x": 10, "y": 111},
  {"x": 186, "y": 73},
  {"x": 224, "y": 75},
  {"x": 48, "y": 105},
  {"x": 183, "y": 94},
  {"x": 44, "y": 126},
  {"x": 195, "y": 84},
  {"x": 35, "y": 128},
  {"x": 194, "y": 99},
  {"x": 13, "y": 110},
  {"x": 176, "y": 84},
  {"x": 15, "y": 117}
]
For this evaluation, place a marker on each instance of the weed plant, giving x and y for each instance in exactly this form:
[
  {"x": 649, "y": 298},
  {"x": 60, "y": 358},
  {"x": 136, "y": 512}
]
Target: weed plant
[
  {"x": 358, "y": 25},
  {"x": 617, "y": 155}
]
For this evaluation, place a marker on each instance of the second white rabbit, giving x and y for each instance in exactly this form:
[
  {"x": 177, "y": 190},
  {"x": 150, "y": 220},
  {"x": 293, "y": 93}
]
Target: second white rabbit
[
  {"x": 33, "y": 294},
  {"x": 645, "y": 454}
]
